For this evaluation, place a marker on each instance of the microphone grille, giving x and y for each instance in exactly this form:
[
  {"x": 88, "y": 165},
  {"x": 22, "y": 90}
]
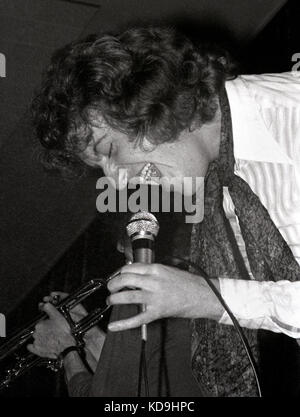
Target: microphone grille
[{"x": 142, "y": 222}]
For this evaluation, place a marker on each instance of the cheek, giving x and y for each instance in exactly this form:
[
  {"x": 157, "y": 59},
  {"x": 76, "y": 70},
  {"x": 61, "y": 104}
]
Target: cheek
[
  {"x": 187, "y": 168},
  {"x": 127, "y": 152},
  {"x": 185, "y": 186}
]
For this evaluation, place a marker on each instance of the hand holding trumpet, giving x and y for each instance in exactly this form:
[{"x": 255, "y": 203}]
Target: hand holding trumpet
[{"x": 53, "y": 335}]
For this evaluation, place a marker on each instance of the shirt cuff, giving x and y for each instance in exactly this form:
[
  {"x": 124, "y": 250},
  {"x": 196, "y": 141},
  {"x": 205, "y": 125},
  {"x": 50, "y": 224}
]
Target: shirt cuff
[
  {"x": 266, "y": 305},
  {"x": 79, "y": 384}
]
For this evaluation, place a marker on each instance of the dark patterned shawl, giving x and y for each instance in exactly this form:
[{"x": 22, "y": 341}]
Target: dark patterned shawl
[{"x": 218, "y": 359}]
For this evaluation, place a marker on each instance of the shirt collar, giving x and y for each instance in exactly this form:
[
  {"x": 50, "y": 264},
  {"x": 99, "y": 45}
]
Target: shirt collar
[{"x": 252, "y": 139}]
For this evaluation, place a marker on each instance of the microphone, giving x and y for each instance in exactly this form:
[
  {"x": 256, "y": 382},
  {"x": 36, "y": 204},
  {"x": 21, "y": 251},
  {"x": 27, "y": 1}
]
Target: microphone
[{"x": 142, "y": 230}]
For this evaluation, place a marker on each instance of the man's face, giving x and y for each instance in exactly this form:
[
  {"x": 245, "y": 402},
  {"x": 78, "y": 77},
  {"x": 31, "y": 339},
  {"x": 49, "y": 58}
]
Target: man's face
[{"x": 122, "y": 160}]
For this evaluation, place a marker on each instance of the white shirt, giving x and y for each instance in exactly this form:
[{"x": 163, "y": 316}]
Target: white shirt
[{"x": 265, "y": 112}]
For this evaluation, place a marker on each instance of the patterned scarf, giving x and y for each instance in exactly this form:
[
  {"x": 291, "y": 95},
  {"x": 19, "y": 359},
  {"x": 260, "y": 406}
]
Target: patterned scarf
[{"x": 218, "y": 359}]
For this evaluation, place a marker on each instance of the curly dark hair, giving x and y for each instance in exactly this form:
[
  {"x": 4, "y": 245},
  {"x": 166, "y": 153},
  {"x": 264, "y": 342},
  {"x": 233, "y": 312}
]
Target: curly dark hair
[{"x": 151, "y": 82}]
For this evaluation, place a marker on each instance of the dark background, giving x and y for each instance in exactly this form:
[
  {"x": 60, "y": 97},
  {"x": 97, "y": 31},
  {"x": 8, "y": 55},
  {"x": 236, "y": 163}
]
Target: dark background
[{"x": 51, "y": 237}]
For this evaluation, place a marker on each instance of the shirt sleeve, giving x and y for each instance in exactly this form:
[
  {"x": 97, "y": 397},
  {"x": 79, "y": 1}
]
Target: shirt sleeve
[
  {"x": 79, "y": 385},
  {"x": 265, "y": 305}
]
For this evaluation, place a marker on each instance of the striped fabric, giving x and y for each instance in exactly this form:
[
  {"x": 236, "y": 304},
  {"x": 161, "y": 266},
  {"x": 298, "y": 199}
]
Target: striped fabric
[{"x": 265, "y": 113}]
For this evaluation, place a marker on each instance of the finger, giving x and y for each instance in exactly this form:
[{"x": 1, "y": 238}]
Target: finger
[
  {"x": 129, "y": 280},
  {"x": 127, "y": 297},
  {"x": 52, "y": 299},
  {"x": 52, "y": 312},
  {"x": 131, "y": 323},
  {"x": 136, "y": 268},
  {"x": 76, "y": 317},
  {"x": 40, "y": 328},
  {"x": 121, "y": 246},
  {"x": 79, "y": 310},
  {"x": 60, "y": 294},
  {"x": 55, "y": 296},
  {"x": 31, "y": 348},
  {"x": 115, "y": 274}
]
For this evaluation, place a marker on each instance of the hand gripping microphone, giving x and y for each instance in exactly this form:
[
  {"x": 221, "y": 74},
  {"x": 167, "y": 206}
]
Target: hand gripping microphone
[{"x": 142, "y": 230}]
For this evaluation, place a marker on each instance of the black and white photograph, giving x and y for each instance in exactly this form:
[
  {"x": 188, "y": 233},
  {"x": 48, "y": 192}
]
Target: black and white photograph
[{"x": 150, "y": 201}]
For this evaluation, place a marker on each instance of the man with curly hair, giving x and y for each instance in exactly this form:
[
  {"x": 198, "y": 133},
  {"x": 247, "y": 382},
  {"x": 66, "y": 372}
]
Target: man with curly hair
[{"x": 151, "y": 97}]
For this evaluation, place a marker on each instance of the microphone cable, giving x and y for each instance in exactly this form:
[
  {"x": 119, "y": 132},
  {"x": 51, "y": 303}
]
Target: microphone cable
[{"x": 236, "y": 324}]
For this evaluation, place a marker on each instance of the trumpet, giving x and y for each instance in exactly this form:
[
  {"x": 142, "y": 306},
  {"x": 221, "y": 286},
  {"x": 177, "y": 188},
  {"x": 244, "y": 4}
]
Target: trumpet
[{"x": 21, "y": 363}]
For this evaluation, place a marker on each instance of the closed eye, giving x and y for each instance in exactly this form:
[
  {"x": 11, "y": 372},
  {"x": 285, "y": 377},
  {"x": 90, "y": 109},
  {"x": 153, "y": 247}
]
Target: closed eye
[{"x": 110, "y": 150}]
